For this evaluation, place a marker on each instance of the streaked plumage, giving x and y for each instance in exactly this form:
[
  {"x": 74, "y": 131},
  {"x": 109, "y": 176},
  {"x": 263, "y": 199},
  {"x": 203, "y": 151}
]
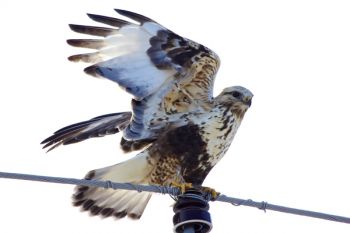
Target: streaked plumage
[{"x": 185, "y": 130}]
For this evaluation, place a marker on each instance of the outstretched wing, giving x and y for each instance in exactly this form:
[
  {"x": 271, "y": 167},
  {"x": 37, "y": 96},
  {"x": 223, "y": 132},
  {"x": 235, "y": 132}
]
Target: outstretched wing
[
  {"x": 96, "y": 127},
  {"x": 168, "y": 75}
]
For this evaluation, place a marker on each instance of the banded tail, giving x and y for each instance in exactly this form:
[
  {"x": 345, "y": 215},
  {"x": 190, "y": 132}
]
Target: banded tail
[{"x": 117, "y": 203}]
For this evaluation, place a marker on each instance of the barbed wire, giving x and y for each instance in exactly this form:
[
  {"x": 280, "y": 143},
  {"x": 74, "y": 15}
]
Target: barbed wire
[{"x": 173, "y": 191}]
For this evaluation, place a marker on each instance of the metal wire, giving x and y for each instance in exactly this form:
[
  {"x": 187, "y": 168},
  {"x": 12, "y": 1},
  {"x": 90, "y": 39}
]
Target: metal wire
[{"x": 173, "y": 192}]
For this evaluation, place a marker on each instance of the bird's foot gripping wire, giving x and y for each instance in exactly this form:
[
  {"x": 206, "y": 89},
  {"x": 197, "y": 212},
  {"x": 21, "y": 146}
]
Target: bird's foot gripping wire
[
  {"x": 210, "y": 193},
  {"x": 182, "y": 186}
]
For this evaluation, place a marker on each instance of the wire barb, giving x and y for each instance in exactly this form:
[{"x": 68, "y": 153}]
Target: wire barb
[
  {"x": 173, "y": 192},
  {"x": 263, "y": 206}
]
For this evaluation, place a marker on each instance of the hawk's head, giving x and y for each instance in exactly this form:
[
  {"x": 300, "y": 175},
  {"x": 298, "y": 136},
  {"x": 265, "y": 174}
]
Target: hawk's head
[{"x": 236, "y": 96}]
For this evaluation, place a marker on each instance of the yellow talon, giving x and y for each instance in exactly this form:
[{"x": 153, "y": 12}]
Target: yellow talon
[
  {"x": 182, "y": 186},
  {"x": 186, "y": 186},
  {"x": 210, "y": 191}
]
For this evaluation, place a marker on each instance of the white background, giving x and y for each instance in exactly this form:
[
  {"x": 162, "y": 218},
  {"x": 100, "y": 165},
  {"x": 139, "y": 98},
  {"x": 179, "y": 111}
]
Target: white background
[{"x": 292, "y": 148}]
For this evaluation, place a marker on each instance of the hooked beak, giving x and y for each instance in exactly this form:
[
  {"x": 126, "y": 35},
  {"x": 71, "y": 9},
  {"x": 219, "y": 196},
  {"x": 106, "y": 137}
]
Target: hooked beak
[{"x": 249, "y": 103}]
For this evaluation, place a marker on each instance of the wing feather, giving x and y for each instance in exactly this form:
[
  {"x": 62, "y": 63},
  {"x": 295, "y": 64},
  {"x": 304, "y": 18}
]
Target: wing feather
[
  {"x": 132, "y": 15},
  {"x": 92, "y": 30},
  {"x": 168, "y": 75},
  {"x": 86, "y": 57},
  {"x": 95, "y": 127},
  {"x": 87, "y": 43},
  {"x": 114, "y": 22}
]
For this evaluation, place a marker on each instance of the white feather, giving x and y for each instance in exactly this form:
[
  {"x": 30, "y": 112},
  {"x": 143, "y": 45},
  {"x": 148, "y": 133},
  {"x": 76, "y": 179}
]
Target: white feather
[{"x": 135, "y": 170}]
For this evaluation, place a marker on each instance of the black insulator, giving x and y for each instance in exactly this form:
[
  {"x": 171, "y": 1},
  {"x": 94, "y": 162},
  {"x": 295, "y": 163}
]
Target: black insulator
[{"x": 191, "y": 213}]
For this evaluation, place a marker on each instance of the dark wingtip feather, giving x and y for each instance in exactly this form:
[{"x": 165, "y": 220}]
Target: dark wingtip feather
[
  {"x": 126, "y": 114},
  {"x": 52, "y": 145},
  {"x": 86, "y": 43},
  {"x": 132, "y": 15},
  {"x": 46, "y": 140},
  {"x": 51, "y": 140},
  {"x": 93, "y": 71},
  {"x": 74, "y": 58},
  {"x": 58, "y": 137},
  {"x": 86, "y": 57},
  {"x": 109, "y": 20},
  {"x": 75, "y": 126},
  {"x": 100, "y": 126},
  {"x": 92, "y": 30},
  {"x": 64, "y": 132}
]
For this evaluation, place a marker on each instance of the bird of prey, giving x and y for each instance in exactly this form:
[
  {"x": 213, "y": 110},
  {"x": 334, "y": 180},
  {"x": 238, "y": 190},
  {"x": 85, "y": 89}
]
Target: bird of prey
[{"x": 182, "y": 130}]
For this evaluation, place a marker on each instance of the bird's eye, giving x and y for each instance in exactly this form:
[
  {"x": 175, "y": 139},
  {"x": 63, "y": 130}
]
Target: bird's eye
[{"x": 236, "y": 94}]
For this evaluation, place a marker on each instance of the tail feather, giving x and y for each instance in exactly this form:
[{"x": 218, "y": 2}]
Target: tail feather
[{"x": 117, "y": 203}]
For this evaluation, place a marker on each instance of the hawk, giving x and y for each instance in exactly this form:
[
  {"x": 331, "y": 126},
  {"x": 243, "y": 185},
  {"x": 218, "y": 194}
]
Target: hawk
[{"x": 182, "y": 130}]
